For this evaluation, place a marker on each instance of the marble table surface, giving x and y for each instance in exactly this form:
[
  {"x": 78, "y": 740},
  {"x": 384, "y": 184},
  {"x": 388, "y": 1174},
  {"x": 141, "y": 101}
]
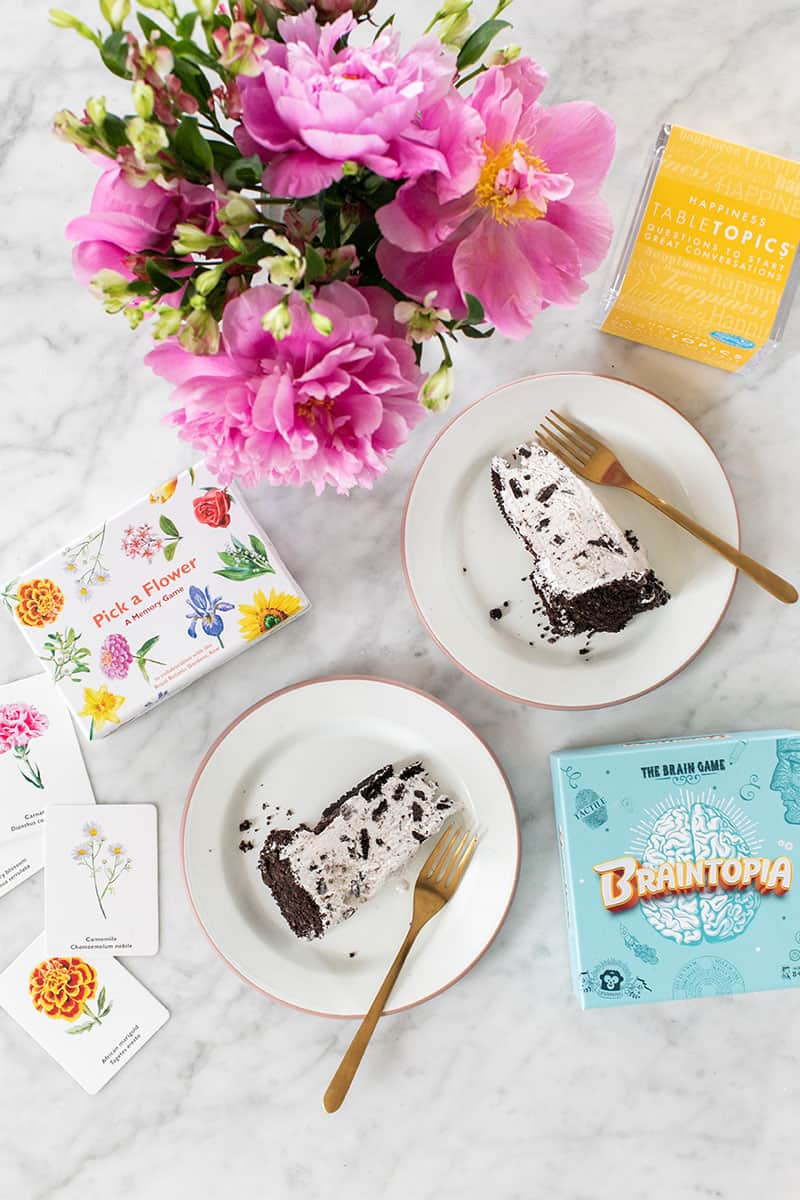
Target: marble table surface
[{"x": 501, "y": 1084}]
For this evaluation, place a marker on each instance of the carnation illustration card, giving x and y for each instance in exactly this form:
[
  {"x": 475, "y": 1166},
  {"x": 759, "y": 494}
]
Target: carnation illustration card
[
  {"x": 149, "y": 600},
  {"x": 40, "y": 759},
  {"x": 101, "y": 879},
  {"x": 90, "y": 1014}
]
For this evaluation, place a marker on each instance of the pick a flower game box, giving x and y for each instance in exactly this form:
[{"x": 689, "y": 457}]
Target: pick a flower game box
[{"x": 145, "y": 603}]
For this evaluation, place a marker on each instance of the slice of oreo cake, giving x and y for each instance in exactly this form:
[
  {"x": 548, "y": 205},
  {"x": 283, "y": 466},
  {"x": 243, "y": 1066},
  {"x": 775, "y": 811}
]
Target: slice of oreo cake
[
  {"x": 590, "y": 576},
  {"x": 320, "y": 876}
]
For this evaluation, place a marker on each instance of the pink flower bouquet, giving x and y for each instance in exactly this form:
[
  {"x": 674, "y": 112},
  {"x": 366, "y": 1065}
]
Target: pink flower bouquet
[{"x": 298, "y": 205}]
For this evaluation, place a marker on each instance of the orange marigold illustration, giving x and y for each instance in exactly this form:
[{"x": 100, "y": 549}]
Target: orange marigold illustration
[
  {"x": 60, "y": 987},
  {"x": 39, "y": 602}
]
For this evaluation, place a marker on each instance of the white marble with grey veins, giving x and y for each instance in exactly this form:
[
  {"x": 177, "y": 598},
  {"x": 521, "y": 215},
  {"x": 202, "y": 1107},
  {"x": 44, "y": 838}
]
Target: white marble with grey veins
[{"x": 500, "y": 1086}]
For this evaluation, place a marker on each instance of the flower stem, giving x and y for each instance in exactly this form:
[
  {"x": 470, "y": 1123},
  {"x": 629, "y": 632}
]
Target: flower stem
[
  {"x": 94, "y": 881},
  {"x": 88, "y": 1012}
]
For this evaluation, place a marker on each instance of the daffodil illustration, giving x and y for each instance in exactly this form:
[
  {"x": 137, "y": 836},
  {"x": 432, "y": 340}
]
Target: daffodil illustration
[
  {"x": 102, "y": 706},
  {"x": 266, "y": 612}
]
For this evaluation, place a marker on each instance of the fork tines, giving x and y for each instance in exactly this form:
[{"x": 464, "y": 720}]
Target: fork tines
[
  {"x": 571, "y": 443},
  {"x": 449, "y": 858}
]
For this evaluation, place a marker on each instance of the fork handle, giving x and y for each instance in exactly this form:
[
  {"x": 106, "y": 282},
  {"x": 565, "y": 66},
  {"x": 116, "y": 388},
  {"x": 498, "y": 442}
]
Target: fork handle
[
  {"x": 780, "y": 588},
  {"x": 340, "y": 1084}
]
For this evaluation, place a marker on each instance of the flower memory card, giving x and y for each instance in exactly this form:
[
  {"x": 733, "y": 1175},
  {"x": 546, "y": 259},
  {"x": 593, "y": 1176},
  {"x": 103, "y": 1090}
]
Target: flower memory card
[
  {"x": 90, "y": 1014},
  {"x": 40, "y": 759},
  {"x": 101, "y": 879},
  {"x": 19, "y": 860},
  {"x": 153, "y": 598}
]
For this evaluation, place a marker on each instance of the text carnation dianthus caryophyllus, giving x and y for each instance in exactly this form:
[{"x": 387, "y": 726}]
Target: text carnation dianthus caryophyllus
[
  {"x": 310, "y": 407},
  {"x": 304, "y": 208}
]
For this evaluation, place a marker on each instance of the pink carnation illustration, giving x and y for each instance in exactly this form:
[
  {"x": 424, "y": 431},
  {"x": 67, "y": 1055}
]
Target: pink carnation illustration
[{"x": 20, "y": 723}]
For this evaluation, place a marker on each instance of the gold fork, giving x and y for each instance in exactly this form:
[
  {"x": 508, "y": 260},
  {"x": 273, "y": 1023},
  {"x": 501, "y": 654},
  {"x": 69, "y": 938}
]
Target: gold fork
[
  {"x": 436, "y": 883},
  {"x": 583, "y": 453}
]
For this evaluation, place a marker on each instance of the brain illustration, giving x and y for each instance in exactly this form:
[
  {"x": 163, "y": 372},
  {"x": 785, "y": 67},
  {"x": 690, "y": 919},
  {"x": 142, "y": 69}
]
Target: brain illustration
[{"x": 701, "y": 831}]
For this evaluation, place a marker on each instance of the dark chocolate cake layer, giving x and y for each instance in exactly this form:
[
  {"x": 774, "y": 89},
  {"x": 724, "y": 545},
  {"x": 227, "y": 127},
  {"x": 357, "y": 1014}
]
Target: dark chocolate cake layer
[{"x": 318, "y": 876}]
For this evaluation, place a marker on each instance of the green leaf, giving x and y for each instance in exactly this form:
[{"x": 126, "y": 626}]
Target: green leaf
[
  {"x": 224, "y": 154},
  {"x": 230, "y": 560},
  {"x": 477, "y": 43},
  {"x": 143, "y": 669},
  {"x": 259, "y": 547},
  {"x": 160, "y": 279},
  {"x": 237, "y": 543},
  {"x": 186, "y": 24},
  {"x": 192, "y": 146},
  {"x": 101, "y": 999},
  {"x": 470, "y": 332},
  {"x": 106, "y": 1010},
  {"x": 167, "y": 526},
  {"x": 169, "y": 551},
  {"x": 81, "y": 1028},
  {"x": 114, "y": 131},
  {"x": 193, "y": 80},
  {"x": 244, "y": 172},
  {"x": 114, "y": 53},
  {"x": 240, "y": 574},
  {"x": 149, "y": 27},
  {"x": 147, "y": 646},
  {"x": 315, "y": 265},
  {"x": 192, "y": 52},
  {"x": 191, "y": 474},
  {"x": 475, "y": 313}
]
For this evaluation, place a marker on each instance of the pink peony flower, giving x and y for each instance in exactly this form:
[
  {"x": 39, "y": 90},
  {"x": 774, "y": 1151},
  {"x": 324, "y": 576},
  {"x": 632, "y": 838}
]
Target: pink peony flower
[
  {"x": 530, "y": 224},
  {"x": 20, "y": 724},
  {"x": 327, "y": 410},
  {"x": 115, "y": 656},
  {"x": 312, "y": 108},
  {"x": 127, "y": 221}
]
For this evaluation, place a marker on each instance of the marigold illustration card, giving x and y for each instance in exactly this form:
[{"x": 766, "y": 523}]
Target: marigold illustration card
[
  {"x": 19, "y": 860},
  {"x": 40, "y": 759},
  {"x": 90, "y": 1014},
  {"x": 101, "y": 882},
  {"x": 151, "y": 599}
]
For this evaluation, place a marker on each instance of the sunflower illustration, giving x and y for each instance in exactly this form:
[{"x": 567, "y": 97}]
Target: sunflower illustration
[{"x": 266, "y": 612}]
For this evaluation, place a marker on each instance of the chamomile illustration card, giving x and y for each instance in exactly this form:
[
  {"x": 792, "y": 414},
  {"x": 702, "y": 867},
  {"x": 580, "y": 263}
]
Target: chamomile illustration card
[
  {"x": 101, "y": 881},
  {"x": 90, "y": 1014},
  {"x": 40, "y": 760},
  {"x": 19, "y": 860}
]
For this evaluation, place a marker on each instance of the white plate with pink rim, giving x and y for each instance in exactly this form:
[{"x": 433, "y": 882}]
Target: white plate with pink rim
[
  {"x": 462, "y": 560},
  {"x": 281, "y": 762}
]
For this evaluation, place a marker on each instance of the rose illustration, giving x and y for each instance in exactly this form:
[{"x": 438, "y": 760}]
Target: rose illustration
[
  {"x": 39, "y": 602},
  {"x": 213, "y": 508},
  {"x": 62, "y": 987},
  {"x": 19, "y": 725}
]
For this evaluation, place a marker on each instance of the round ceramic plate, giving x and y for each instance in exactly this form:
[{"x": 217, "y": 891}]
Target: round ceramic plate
[
  {"x": 299, "y": 750},
  {"x": 462, "y": 560}
]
